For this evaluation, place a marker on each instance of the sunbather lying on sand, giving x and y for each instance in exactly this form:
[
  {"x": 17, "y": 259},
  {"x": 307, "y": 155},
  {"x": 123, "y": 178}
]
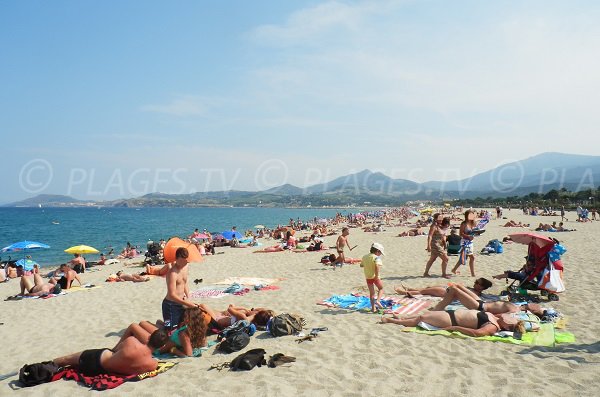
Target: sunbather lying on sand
[
  {"x": 512, "y": 223},
  {"x": 128, "y": 357},
  {"x": 190, "y": 334},
  {"x": 223, "y": 319},
  {"x": 471, "y": 301},
  {"x": 412, "y": 232},
  {"x": 332, "y": 259},
  {"x": 136, "y": 278},
  {"x": 36, "y": 286},
  {"x": 468, "y": 322},
  {"x": 480, "y": 285},
  {"x": 275, "y": 248}
]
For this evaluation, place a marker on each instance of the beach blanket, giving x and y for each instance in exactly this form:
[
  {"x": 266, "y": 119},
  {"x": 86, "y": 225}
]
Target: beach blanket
[
  {"x": 391, "y": 305},
  {"x": 106, "y": 381},
  {"x": 249, "y": 280},
  {"x": 545, "y": 336},
  {"x": 209, "y": 292}
]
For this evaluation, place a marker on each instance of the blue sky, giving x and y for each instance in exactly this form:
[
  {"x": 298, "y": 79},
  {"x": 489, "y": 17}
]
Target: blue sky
[{"x": 118, "y": 99}]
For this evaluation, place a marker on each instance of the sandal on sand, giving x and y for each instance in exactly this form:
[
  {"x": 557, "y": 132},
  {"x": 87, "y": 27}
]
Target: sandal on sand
[{"x": 280, "y": 359}]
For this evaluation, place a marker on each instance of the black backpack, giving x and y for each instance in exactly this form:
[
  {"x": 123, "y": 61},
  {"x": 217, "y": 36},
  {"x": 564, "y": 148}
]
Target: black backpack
[
  {"x": 238, "y": 326},
  {"x": 234, "y": 342},
  {"x": 38, "y": 373},
  {"x": 285, "y": 324},
  {"x": 248, "y": 360}
]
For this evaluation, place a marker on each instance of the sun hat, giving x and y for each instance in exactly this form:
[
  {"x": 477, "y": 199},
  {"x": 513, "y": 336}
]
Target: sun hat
[{"x": 378, "y": 247}]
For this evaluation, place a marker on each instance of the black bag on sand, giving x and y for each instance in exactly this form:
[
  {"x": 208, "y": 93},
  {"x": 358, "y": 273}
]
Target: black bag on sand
[
  {"x": 248, "y": 360},
  {"x": 38, "y": 373},
  {"x": 280, "y": 359},
  {"x": 234, "y": 342}
]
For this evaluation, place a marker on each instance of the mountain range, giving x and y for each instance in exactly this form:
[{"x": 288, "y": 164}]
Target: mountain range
[{"x": 539, "y": 174}]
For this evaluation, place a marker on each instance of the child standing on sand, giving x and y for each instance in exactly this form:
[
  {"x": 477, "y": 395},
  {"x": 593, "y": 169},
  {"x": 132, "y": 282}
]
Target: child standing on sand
[
  {"x": 340, "y": 244},
  {"x": 371, "y": 264}
]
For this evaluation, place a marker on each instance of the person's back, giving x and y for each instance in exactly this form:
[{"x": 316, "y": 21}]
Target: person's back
[{"x": 130, "y": 357}]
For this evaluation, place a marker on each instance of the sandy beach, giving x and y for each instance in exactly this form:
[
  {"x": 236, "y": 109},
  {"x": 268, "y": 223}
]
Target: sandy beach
[{"x": 356, "y": 356}]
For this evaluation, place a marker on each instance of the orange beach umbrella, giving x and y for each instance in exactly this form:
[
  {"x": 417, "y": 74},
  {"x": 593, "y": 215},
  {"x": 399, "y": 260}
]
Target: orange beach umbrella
[{"x": 176, "y": 242}]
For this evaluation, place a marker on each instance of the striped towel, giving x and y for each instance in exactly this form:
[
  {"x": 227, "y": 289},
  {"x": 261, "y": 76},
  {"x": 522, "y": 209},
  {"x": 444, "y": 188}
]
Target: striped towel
[
  {"x": 408, "y": 306},
  {"x": 209, "y": 292}
]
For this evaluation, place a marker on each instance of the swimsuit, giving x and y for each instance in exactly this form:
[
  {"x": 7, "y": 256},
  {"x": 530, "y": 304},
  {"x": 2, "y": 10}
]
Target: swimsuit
[
  {"x": 89, "y": 362},
  {"x": 174, "y": 337},
  {"x": 480, "y": 305},
  {"x": 482, "y": 318},
  {"x": 172, "y": 313},
  {"x": 452, "y": 317},
  {"x": 63, "y": 283}
]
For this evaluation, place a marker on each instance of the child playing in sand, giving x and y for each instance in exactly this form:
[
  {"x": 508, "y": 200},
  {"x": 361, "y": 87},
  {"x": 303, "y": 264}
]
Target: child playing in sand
[{"x": 371, "y": 264}]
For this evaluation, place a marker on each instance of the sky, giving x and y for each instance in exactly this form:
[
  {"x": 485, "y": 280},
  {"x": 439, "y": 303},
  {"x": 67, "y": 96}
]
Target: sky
[{"x": 112, "y": 99}]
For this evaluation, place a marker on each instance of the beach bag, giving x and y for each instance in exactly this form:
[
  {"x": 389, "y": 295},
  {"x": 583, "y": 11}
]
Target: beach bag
[
  {"x": 238, "y": 326},
  {"x": 551, "y": 280},
  {"x": 285, "y": 324},
  {"x": 234, "y": 342},
  {"x": 248, "y": 360},
  {"x": 38, "y": 373}
]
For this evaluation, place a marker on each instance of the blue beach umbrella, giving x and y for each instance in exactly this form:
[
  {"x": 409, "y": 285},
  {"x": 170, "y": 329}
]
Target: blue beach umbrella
[
  {"x": 230, "y": 234},
  {"x": 26, "y": 263},
  {"x": 24, "y": 246}
]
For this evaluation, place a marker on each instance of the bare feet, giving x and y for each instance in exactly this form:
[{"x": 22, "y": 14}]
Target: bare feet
[
  {"x": 426, "y": 275},
  {"x": 446, "y": 276},
  {"x": 385, "y": 320}
]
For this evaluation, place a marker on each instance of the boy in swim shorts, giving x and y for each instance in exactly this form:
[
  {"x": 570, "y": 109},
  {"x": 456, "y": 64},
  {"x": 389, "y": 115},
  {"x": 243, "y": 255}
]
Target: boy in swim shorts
[{"x": 371, "y": 264}]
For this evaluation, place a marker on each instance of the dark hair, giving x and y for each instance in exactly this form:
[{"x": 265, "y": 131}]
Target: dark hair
[
  {"x": 262, "y": 317},
  {"x": 446, "y": 221},
  {"x": 158, "y": 339},
  {"x": 332, "y": 258},
  {"x": 484, "y": 282},
  {"x": 182, "y": 253},
  {"x": 373, "y": 250}
]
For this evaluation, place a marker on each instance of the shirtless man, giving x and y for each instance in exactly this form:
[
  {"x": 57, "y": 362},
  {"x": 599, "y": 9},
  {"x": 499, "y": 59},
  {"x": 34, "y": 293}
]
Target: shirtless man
[
  {"x": 480, "y": 285},
  {"x": 78, "y": 263},
  {"x": 471, "y": 301},
  {"x": 128, "y": 357},
  {"x": 69, "y": 275},
  {"x": 38, "y": 287},
  {"x": 178, "y": 290},
  {"x": 340, "y": 244}
]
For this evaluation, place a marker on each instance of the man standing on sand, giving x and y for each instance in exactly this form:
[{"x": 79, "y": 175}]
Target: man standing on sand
[{"x": 178, "y": 291}]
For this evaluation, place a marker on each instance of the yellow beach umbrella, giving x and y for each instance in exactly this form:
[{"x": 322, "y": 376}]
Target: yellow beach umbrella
[{"x": 81, "y": 249}]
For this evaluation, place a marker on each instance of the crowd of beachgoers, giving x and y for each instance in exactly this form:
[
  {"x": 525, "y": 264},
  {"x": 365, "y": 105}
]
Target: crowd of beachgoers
[{"x": 187, "y": 324}]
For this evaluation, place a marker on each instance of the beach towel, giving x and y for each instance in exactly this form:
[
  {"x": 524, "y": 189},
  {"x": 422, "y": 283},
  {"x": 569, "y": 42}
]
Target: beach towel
[
  {"x": 209, "y": 292},
  {"x": 391, "y": 305},
  {"x": 545, "y": 336},
  {"x": 106, "y": 381},
  {"x": 249, "y": 280}
]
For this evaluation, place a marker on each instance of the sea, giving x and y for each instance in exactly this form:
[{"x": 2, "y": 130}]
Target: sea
[{"x": 106, "y": 228}]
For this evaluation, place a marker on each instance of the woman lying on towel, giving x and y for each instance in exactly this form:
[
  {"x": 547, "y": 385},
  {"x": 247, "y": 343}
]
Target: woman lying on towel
[
  {"x": 480, "y": 285},
  {"x": 472, "y": 301},
  {"x": 275, "y": 248},
  {"x": 468, "y": 322},
  {"x": 331, "y": 258},
  {"x": 223, "y": 319},
  {"x": 190, "y": 334}
]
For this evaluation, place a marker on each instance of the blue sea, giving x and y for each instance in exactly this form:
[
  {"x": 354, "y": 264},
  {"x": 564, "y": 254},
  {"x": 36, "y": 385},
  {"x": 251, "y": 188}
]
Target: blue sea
[{"x": 104, "y": 228}]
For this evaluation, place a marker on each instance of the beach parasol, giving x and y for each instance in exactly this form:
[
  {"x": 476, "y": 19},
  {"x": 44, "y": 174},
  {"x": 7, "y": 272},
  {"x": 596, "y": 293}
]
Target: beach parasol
[
  {"x": 527, "y": 238},
  {"x": 229, "y": 234},
  {"x": 27, "y": 264},
  {"x": 81, "y": 249},
  {"x": 259, "y": 226},
  {"x": 24, "y": 246},
  {"x": 176, "y": 242}
]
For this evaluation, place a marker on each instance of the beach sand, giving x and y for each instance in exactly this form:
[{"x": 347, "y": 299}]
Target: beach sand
[{"x": 357, "y": 356}]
